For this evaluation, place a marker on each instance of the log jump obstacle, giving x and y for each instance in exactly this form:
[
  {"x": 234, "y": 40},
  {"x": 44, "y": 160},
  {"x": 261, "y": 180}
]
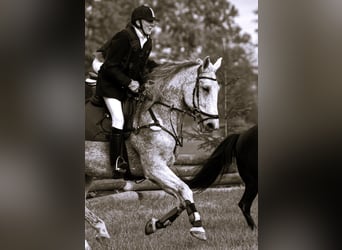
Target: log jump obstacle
[{"x": 97, "y": 159}]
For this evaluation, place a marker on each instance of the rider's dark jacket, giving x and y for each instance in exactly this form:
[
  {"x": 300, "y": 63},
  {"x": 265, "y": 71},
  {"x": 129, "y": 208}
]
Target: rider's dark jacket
[{"x": 124, "y": 60}]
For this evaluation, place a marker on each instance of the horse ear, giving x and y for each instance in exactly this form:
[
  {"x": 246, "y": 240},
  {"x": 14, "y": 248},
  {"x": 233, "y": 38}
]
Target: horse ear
[
  {"x": 217, "y": 65},
  {"x": 206, "y": 62}
]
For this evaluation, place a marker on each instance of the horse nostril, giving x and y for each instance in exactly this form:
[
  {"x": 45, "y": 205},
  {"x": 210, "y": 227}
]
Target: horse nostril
[{"x": 210, "y": 125}]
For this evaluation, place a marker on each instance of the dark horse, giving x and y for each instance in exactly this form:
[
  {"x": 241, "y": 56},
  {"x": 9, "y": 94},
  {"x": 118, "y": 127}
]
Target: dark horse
[{"x": 244, "y": 147}]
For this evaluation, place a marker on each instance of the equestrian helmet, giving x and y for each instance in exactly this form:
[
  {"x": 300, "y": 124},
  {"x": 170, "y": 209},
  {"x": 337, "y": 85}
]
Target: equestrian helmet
[{"x": 143, "y": 12}]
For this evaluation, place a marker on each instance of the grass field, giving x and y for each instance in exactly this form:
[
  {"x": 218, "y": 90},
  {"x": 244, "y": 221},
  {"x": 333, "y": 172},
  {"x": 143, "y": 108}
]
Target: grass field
[{"x": 223, "y": 221}]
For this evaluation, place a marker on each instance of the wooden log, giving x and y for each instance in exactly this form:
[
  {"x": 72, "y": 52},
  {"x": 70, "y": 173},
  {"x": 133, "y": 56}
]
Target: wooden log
[
  {"x": 114, "y": 198},
  {"x": 191, "y": 170},
  {"x": 179, "y": 170},
  {"x": 108, "y": 184},
  {"x": 117, "y": 184},
  {"x": 188, "y": 170},
  {"x": 229, "y": 180},
  {"x": 97, "y": 159},
  {"x": 111, "y": 199},
  {"x": 97, "y": 162},
  {"x": 152, "y": 194},
  {"x": 190, "y": 159}
]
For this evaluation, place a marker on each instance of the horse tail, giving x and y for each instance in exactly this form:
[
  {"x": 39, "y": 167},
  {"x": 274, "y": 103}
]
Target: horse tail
[{"x": 214, "y": 165}]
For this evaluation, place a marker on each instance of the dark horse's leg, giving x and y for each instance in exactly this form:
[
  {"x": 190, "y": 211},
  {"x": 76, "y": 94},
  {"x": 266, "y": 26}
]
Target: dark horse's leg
[
  {"x": 246, "y": 201},
  {"x": 247, "y": 163}
]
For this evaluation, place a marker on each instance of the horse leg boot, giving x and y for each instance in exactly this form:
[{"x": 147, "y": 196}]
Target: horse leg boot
[
  {"x": 194, "y": 217},
  {"x": 153, "y": 225},
  {"x": 115, "y": 148}
]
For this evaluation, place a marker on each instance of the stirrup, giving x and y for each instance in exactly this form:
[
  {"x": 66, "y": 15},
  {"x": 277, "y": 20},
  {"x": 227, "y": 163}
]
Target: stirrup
[
  {"x": 151, "y": 226},
  {"x": 120, "y": 161}
]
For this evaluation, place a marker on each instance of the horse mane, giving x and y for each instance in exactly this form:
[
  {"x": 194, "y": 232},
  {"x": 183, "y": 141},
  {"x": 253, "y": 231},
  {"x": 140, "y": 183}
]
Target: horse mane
[
  {"x": 161, "y": 75},
  {"x": 164, "y": 72}
]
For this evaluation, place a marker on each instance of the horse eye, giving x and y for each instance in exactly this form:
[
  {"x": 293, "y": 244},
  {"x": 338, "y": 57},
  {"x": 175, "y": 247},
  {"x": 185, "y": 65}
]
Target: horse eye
[{"x": 206, "y": 89}]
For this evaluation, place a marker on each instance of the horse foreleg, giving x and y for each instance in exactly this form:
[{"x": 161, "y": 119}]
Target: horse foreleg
[
  {"x": 246, "y": 203},
  {"x": 97, "y": 224},
  {"x": 197, "y": 229},
  {"x": 154, "y": 224},
  {"x": 172, "y": 184},
  {"x": 92, "y": 218}
]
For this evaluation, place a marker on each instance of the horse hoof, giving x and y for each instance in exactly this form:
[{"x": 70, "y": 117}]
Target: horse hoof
[
  {"x": 198, "y": 233},
  {"x": 151, "y": 227},
  {"x": 100, "y": 236},
  {"x": 102, "y": 230},
  {"x": 87, "y": 247}
]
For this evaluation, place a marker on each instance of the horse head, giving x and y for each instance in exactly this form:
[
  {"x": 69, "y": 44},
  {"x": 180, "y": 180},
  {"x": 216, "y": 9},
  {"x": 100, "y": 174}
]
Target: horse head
[{"x": 203, "y": 99}]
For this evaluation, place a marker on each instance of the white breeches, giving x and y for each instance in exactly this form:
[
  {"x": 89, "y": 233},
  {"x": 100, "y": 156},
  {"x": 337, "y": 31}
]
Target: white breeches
[
  {"x": 96, "y": 65},
  {"x": 115, "y": 110}
]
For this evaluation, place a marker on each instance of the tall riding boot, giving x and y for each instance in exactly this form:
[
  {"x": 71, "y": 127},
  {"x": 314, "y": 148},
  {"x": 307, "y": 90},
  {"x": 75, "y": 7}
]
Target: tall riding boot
[{"x": 115, "y": 148}]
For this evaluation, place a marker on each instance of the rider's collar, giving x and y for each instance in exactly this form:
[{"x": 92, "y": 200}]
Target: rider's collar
[{"x": 142, "y": 38}]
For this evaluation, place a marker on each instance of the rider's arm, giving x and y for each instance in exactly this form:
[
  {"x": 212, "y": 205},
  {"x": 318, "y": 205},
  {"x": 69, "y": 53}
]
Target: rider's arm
[{"x": 117, "y": 53}]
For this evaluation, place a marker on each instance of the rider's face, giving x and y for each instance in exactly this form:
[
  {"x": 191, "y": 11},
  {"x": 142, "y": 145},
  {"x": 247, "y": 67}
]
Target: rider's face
[{"x": 148, "y": 26}]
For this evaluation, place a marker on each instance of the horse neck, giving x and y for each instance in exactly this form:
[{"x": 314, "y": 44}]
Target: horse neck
[
  {"x": 173, "y": 92},
  {"x": 171, "y": 95}
]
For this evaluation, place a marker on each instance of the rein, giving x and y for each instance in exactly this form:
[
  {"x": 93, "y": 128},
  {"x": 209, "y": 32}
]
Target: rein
[
  {"x": 193, "y": 113},
  {"x": 178, "y": 137}
]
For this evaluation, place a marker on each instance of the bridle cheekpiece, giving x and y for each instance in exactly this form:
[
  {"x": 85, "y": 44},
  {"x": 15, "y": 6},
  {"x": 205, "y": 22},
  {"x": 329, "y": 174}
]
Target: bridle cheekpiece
[{"x": 195, "y": 98}]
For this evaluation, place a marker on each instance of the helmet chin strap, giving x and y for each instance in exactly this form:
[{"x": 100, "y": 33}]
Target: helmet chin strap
[{"x": 140, "y": 26}]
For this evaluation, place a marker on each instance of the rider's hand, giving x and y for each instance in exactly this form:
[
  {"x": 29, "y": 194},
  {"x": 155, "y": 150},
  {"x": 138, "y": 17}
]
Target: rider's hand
[{"x": 134, "y": 86}]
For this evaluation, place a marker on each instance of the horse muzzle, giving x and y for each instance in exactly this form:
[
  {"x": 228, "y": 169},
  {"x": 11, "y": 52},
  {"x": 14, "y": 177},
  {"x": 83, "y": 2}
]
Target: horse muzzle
[{"x": 209, "y": 124}]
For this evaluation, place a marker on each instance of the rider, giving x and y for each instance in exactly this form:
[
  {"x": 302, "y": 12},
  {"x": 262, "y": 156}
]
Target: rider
[{"x": 126, "y": 59}]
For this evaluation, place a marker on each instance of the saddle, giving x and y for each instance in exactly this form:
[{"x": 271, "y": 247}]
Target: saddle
[{"x": 98, "y": 119}]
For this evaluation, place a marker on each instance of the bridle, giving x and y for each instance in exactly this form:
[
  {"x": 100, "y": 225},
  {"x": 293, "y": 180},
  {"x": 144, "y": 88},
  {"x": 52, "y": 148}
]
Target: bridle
[
  {"x": 194, "y": 112},
  {"x": 195, "y": 98}
]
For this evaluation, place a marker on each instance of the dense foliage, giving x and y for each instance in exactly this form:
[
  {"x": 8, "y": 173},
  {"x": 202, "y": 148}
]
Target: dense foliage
[{"x": 189, "y": 30}]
